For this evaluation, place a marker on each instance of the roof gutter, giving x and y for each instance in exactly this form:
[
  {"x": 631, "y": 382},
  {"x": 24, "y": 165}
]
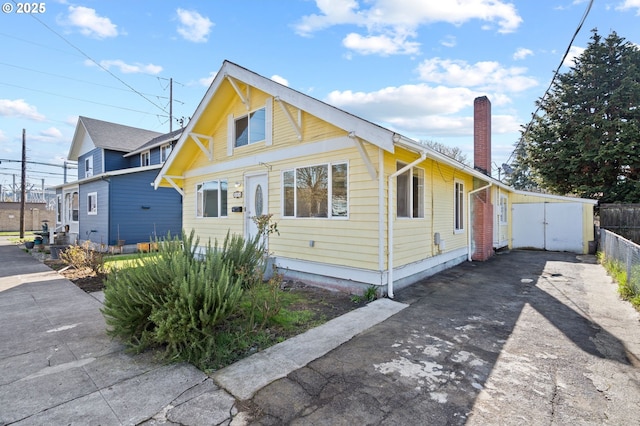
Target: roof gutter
[{"x": 423, "y": 156}]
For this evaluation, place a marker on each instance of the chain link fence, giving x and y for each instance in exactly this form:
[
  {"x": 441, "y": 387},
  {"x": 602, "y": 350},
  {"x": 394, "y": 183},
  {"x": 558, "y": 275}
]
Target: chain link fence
[{"x": 625, "y": 253}]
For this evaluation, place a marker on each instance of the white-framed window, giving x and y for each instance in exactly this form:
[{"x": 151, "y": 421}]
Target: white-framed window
[
  {"x": 72, "y": 206},
  {"x": 503, "y": 209},
  {"x": 458, "y": 206},
  {"x": 165, "y": 150},
  {"x": 88, "y": 166},
  {"x": 92, "y": 203},
  {"x": 316, "y": 191},
  {"x": 145, "y": 158},
  {"x": 59, "y": 208},
  {"x": 211, "y": 199},
  {"x": 410, "y": 192},
  {"x": 250, "y": 128}
]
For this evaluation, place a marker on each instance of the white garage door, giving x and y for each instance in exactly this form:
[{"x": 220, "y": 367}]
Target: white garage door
[{"x": 548, "y": 226}]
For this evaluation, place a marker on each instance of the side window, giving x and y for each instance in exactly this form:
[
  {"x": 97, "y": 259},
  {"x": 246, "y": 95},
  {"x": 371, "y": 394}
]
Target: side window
[
  {"x": 410, "y": 192},
  {"x": 165, "y": 150},
  {"x": 92, "y": 203},
  {"x": 88, "y": 167},
  {"x": 503, "y": 209},
  {"x": 211, "y": 199},
  {"x": 145, "y": 158},
  {"x": 458, "y": 206}
]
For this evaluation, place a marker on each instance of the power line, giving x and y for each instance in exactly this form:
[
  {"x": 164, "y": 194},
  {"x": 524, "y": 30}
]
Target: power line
[
  {"x": 555, "y": 74},
  {"x": 34, "y": 16},
  {"x": 81, "y": 100}
]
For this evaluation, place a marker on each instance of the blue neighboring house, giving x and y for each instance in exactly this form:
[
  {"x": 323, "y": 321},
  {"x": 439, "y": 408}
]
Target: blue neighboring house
[{"x": 113, "y": 202}]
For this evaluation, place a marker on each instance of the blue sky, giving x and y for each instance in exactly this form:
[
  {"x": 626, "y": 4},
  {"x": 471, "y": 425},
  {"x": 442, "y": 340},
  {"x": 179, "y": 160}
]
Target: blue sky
[{"x": 414, "y": 66}]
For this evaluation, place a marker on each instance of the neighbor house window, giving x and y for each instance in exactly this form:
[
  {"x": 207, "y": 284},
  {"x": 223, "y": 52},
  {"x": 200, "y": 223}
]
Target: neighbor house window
[
  {"x": 71, "y": 206},
  {"x": 165, "y": 150},
  {"x": 211, "y": 199},
  {"x": 250, "y": 128},
  {"x": 316, "y": 191},
  {"x": 59, "y": 209},
  {"x": 92, "y": 203},
  {"x": 145, "y": 158},
  {"x": 410, "y": 192},
  {"x": 458, "y": 206},
  {"x": 503, "y": 209},
  {"x": 88, "y": 167}
]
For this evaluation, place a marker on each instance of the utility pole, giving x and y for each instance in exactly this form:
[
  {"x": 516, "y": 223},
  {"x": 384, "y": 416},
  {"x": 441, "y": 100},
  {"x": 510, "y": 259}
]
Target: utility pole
[
  {"x": 24, "y": 181},
  {"x": 170, "y": 105}
]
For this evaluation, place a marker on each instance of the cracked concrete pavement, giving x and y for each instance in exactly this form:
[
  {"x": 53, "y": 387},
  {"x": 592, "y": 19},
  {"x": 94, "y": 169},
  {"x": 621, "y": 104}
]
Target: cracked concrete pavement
[{"x": 525, "y": 338}]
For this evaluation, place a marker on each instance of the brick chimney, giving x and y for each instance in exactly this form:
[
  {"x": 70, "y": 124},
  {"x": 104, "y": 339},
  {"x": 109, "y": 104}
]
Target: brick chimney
[
  {"x": 482, "y": 221},
  {"x": 482, "y": 135}
]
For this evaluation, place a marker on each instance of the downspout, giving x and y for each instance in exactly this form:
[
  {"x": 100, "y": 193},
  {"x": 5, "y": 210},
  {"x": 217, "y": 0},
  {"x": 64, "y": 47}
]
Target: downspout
[
  {"x": 469, "y": 217},
  {"x": 423, "y": 155}
]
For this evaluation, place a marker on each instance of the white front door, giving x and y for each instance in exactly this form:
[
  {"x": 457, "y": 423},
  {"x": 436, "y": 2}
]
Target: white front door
[{"x": 257, "y": 197}]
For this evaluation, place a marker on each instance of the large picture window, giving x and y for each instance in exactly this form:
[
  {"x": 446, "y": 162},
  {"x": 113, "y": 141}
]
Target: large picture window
[
  {"x": 92, "y": 203},
  {"x": 211, "y": 199},
  {"x": 250, "y": 128},
  {"x": 410, "y": 192},
  {"x": 316, "y": 191},
  {"x": 458, "y": 206}
]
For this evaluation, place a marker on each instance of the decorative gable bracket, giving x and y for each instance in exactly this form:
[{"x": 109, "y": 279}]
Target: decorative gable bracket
[
  {"x": 363, "y": 153},
  {"x": 208, "y": 150},
  {"x": 245, "y": 99},
  {"x": 175, "y": 186},
  {"x": 297, "y": 125}
]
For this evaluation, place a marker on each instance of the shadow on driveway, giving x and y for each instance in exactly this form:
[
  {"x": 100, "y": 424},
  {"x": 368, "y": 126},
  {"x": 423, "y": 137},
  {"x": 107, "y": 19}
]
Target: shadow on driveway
[{"x": 507, "y": 341}]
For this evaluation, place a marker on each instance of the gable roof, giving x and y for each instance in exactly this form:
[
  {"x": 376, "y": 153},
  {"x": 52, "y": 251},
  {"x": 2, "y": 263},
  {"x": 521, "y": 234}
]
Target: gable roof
[
  {"x": 106, "y": 135},
  {"x": 157, "y": 141}
]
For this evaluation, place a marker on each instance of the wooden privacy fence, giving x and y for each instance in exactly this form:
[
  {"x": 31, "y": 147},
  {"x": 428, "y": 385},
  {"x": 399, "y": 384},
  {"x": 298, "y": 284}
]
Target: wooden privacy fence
[{"x": 622, "y": 219}]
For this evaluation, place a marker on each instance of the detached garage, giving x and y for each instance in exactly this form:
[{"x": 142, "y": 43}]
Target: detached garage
[{"x": 548, "y": 222}]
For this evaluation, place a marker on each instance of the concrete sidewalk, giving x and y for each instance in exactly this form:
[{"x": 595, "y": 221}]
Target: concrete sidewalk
[{"x": 58, "y": 366}]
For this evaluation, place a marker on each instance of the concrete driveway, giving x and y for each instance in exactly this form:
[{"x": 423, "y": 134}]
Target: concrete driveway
[{"x": 526, "y": 338}]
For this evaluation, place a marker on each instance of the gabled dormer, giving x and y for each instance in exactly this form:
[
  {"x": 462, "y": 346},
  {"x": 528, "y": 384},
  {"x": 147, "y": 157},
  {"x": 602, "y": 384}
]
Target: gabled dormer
[
  {"x": 155, "y": 151},
  {"x": 99, "y": 146}
]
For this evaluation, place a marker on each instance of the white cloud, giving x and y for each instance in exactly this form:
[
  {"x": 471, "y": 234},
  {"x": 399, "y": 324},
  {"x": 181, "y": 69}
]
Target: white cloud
[
  {"x": 522, "y": 53},
  {"x": 449, "y": 41},
  {"x": 51, "y": 132},
  {"x": 19, "y": 108},
  {"x": 193, "y": 26},
  {"x": 383, "y": 44},
  {"x": 90, "y": 23},
  {"x": 630, "y": 4},
  {"x": 574, "y": 52},
  {"x": 279, "y": 79},
  {"x": 485, "y": 75},
  {"x": 127, "y": 68},
  {"x": 391, "y": 23},
  {"x": 206, "y": 81}
]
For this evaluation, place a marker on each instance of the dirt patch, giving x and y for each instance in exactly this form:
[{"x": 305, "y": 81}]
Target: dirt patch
[{"x": 325, "y": 304}]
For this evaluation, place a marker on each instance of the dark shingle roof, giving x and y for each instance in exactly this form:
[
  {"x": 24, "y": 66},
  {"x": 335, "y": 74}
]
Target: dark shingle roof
[
  {"x": 116, "y": 137},
  {"x": 157, "y": 141}
]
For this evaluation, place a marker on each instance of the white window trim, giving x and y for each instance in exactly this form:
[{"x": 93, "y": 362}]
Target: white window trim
[
  {"x": 461, "y": 208},
  {"x": 144, "y": 154},
  {"x": 163, "y": 149},
  {"x": 93, "y": 195},
  {"x": 219, "y": 199},
  {"x": 59, "y": 209},
  {"x": 504, "y": 211},
  {"x": 329, "y": 193},
  {"x": 410, "y": 196},
  {"x": 88, "y": 166},
  {"x": 268, "y": 128}
]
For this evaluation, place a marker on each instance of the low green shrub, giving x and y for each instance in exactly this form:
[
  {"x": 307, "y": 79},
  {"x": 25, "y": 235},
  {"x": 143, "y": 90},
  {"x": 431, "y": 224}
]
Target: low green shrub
[{"x": 178, "y": 299}]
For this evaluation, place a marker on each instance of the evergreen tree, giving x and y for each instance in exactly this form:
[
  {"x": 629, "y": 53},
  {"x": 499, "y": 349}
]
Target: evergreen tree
[{"x": 586, "y": 141}]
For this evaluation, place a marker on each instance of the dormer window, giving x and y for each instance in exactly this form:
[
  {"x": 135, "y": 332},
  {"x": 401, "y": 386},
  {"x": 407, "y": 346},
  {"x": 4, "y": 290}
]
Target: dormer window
[
  {"x": 165, "y": 150},
  {"x": 88, "y": 167},
  {"x": 250, "y": 128},
  {"x": 145, "y": 159}
]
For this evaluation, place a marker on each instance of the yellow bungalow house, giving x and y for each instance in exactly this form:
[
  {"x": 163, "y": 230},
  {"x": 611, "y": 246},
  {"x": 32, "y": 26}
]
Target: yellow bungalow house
[{"x": 356, "y": 204}]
